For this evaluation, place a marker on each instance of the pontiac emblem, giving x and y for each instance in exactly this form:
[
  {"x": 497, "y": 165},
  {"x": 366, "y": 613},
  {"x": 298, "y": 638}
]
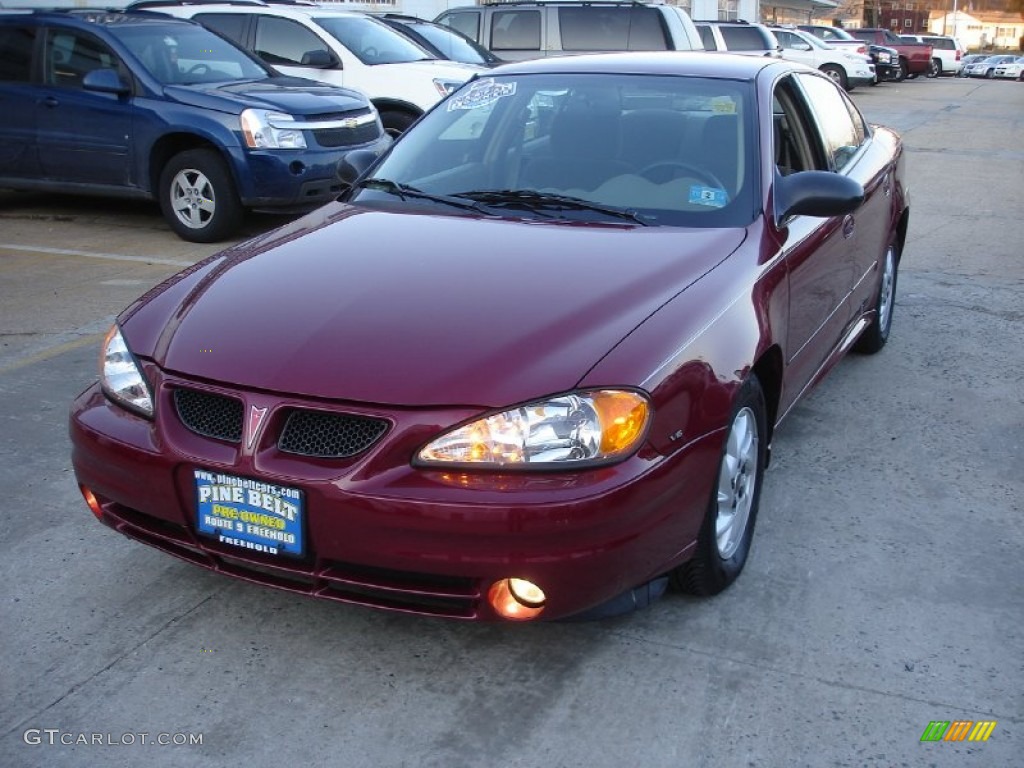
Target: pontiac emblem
[{"x": 256, "y": 416}]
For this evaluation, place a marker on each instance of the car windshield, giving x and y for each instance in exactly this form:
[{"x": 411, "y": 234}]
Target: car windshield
[
  {"x": 658, "y": 150},
  {"x": 186, "y": 54},
  {"x": 371, "y": 41}
]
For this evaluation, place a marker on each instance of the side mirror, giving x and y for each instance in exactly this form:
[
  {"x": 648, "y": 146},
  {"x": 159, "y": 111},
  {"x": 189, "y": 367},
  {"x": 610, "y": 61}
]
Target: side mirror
[
  {"x": 355, "y": 164},
  {"x": 816, "y": 193},
  {"x": 105, "y": 81},
  {"x": 318, "y": 59}
]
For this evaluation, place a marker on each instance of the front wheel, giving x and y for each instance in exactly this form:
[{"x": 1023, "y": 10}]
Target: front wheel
[
  {"x": 903, "y": 72},
  {"x": 198, "y": 198},
  {"x": 877, "y": 334},
  {"x": 728, "y": 527},
  {"x": 837, "y": 75}
]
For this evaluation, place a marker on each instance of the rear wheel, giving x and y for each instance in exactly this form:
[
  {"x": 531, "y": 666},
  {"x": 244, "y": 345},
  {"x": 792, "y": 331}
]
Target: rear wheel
[
  {"x": 935, "y": 69},
  {"x": 198, "y": 197},
  {"x": 837, "y": 74},
  {"x": 728, "y": 527}
]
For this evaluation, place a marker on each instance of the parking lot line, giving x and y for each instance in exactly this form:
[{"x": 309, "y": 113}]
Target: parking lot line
[{"x": 96, "y": 255}]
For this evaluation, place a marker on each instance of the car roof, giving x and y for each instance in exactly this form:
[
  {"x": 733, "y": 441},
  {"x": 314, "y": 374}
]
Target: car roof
[
  {"x": 686, "y": 63},
  {"x": 81, "y": 17}
]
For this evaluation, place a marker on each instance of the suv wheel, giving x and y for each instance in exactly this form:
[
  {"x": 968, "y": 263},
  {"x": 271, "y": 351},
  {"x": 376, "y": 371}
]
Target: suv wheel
[
  {"x": 935, "y": 69},
  {"x": 198, "y": 198},
  {"x": 837, "y": 75}
]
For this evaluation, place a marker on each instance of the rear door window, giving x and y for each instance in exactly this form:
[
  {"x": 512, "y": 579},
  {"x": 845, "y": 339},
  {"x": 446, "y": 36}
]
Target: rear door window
[
  {"x": 597, "y": 28},
  {"x": 229, "y": 25},
  {"x": 743, "y": 39},
  {"x": 16, "y": 53},
  {"x": 515, "y": 31}
]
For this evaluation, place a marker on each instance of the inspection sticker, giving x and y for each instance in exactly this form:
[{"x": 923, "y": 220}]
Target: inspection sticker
[
  {"x": 249, "y": 514},
  {"x": 723, "y": 105},
  {"x": 709, "y": 196},
  {"x": 481, "y": 93}
]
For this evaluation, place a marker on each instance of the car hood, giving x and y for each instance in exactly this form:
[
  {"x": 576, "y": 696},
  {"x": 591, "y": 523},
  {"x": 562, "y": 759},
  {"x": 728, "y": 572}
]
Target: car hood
[
  {"x": 294, "y": 95},
  {"x": 416, "y": 309}
]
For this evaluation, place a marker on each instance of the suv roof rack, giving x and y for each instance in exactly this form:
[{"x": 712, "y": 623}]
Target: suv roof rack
[{"x": 141, "y": 5}]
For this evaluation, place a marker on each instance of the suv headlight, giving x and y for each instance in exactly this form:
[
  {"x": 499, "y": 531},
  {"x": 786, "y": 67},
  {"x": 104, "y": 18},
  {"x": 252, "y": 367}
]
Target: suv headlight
[
  {"x": 575, "y": 430},
  {"x": 270, "y": 130},
  {"x": 121, "y": 377}
]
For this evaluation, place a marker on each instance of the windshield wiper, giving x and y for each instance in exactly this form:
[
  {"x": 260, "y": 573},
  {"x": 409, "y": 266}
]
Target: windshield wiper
[
  {"x": 534, "y": 200},
  {"x": 405, "y": 191}
]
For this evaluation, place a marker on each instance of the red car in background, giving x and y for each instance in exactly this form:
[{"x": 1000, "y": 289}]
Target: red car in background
[{"x": 531, "y": 365}]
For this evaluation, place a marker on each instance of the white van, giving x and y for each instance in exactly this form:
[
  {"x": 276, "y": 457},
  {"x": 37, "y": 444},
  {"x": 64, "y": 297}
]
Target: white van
[
  {"x": 515, "y": 31},
  {"x": 339, "y": 47}
]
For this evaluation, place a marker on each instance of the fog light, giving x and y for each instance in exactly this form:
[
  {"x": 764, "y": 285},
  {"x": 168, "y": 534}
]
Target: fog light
[
  {"x": 516, "y": 599},
  {"x": 92, "y": 501}
]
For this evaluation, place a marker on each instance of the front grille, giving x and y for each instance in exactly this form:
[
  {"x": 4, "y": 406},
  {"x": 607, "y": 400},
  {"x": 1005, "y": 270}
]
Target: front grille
[
  {"x": 348, "y": 137},
  {"x": 329, "y": 435},
  {"x": 209, "y": 414}
]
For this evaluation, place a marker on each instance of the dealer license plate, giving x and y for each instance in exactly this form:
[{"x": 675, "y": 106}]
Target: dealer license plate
[{"x": 249, "y": 514}]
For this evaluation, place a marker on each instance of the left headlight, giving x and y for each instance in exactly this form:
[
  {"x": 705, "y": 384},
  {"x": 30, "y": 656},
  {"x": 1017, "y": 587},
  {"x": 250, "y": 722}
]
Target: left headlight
[
  {"x": 573, "y": 430},
  {"x": 121, "y": 377},
  {"x": 270, "y": 130}
]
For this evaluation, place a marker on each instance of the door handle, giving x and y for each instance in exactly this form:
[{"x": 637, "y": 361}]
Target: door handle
[
  {"x": 51, "y": 101},
  {"x": 848, "y": 225}
]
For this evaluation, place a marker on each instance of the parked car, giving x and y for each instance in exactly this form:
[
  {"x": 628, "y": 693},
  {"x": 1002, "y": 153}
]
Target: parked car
[
  {"x": 835, "y": 36},
  {"x": 987, "y": 67},
  {"x": 970, "y": 58},
  {"x": 1013, "y": 70},
  {"x": 915, "y": 58},
  {"x": 946, "y": 52},
  {"x": 848, "y": 69},
  {"x": 158, "y": 108},
  {"x": 344, "y": 48},
  {"x": 739, "y": 37},
  {"x": 527, "y": 30},
  {"x": 530, "y": 367},
  {"x": 444, "y": 42}
]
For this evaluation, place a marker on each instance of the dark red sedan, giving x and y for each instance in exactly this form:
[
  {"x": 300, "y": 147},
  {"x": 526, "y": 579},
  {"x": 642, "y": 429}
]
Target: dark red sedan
[{"x": 531, "y": 366}]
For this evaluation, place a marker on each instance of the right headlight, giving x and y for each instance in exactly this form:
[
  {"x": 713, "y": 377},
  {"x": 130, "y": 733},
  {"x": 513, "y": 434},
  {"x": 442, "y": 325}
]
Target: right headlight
[
  {"x": 270, "y": 130},
  {"x": 575, "y": 430},
  {"x": 121, "y": 377}
]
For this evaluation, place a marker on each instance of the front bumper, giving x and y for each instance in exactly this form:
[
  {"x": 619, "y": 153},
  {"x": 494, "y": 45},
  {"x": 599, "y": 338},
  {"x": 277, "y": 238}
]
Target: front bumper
[
  {"x": 382, "y": 533},
  {"x": 293, "y": 181}
]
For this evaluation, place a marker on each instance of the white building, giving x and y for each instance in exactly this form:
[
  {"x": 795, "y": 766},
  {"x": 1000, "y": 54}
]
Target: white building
[{"x": 990, "y": 30}]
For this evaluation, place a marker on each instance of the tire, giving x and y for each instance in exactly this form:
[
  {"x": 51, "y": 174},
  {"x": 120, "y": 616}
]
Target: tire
[
  {"x": 877, "y": 334},
  {"x": 837, "y": 74},
  {"x": 902, "y": 71},
  {"x": 721, "y": 554},
  {"x": 396, "y": 121},
  {"x": 989, "y": 73},
  {"x": 935, "y": 69},
  {"x": 198, "y": 197}
]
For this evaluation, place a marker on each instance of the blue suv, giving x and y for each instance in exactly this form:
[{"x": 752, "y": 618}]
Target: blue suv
[{"x": 160, "y": 108}]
